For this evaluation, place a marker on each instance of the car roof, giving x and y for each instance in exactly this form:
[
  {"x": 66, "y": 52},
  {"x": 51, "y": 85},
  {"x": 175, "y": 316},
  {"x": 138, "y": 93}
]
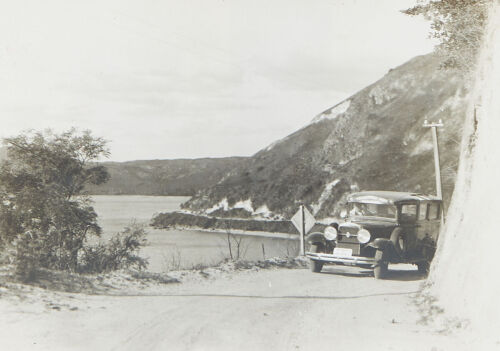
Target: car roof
[{"x": 389, "y": 197}]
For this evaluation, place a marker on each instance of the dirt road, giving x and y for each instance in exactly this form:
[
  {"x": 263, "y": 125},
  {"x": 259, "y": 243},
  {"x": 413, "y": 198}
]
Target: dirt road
[{"x": 279, "y": 309}]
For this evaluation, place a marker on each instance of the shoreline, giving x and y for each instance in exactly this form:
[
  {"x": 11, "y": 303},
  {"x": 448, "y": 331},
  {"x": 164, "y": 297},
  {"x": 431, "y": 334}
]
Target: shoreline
[
  {"x": 238, "y": 232},
  {"x": 242, "y": 226}
]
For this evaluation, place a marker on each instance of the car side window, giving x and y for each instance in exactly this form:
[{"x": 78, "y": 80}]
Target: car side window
[
  {"x": 433, "y": 211},
  {"x": 422, "y": 212},
  {"x": 409, "y": 212}
]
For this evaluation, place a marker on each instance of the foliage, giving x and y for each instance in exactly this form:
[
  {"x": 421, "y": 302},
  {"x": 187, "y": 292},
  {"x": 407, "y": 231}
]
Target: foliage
[
  {"x": 236, "y": 245},
  {"x": 459, "y": 27},
  {"x": 121, "y": 251},
  {"x": 45, "y": 216},
  {"x": 172, "y": 260}
]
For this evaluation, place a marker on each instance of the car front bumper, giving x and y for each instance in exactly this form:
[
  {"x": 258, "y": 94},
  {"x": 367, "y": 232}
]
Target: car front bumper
[{"x": 350, "y": 261}]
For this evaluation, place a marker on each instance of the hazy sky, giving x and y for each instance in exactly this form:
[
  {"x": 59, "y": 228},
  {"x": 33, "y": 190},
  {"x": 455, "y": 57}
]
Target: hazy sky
[{"x": 193, "y": 78}]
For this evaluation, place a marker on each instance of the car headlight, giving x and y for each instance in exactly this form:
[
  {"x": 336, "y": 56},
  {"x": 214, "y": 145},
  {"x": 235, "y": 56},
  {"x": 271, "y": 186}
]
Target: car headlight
[
  {"x": 364, "y": 236},
  {"x": 330, "y": 233}
]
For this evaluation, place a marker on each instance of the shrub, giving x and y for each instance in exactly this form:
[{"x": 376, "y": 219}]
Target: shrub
[
  {"x": 44, "y": 213},
  {"x": 121, "y": 251},
  {"x": 172, "y": 260}
]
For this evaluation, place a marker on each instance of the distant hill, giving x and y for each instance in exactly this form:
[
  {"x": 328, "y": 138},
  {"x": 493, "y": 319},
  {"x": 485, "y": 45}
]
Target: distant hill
[
  {"x": 165, "y": 177},
  {"x": 161, "y": 177},
  {"x": 372, "y": 140}
]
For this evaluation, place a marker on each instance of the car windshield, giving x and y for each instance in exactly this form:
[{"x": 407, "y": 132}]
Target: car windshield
[{"x": 371, "y": 210}]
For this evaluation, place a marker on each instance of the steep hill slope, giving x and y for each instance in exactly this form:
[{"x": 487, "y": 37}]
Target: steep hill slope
[
  {"x": 372, "y": 140},
  {"x": 165, "y": 177}
]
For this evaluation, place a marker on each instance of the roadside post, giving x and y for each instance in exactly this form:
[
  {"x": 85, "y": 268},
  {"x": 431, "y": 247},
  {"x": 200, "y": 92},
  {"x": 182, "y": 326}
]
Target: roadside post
[
  {"x": 437, "y": 167},
  {"x": 303, "y": 220}
]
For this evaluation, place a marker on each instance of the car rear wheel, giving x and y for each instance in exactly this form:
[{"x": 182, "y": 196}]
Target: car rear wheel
[
  {"x": 316, "y": 266},
  {"x": 423, "y": 267},
  {"x": 380, "y": 270}
]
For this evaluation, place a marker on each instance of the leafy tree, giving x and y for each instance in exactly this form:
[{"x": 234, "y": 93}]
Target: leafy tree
[
  {"x": 459, "y": 27},
  {"x": 45, "y": 216}
]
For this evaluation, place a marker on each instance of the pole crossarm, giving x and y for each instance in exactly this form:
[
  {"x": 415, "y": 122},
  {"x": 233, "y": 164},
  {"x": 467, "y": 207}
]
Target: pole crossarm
[{"x": 432, "y": 124}]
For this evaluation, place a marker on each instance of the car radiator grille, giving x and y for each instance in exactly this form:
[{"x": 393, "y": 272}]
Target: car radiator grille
[
  {"x": 348, "y": 239},
  {"x": 352, "y": 239}
]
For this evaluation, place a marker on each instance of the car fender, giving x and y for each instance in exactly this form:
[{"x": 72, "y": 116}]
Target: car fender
[
  {"x": 381, "y": 243},
  {"x": 385, "y": 245},
  {"x": 316, "y": 237}
]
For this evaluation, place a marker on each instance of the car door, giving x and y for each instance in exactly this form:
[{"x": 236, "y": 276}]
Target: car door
[
  {"x": 423, "y": 224},
  {"x": 424, "y": 230},
  {"x": 408, "y": 220},
  {"x": 434, "y": 218}
]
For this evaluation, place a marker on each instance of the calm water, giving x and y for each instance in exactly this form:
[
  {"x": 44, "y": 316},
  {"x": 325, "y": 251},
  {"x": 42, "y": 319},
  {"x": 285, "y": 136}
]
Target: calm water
[{"x": 168, "y": 249}]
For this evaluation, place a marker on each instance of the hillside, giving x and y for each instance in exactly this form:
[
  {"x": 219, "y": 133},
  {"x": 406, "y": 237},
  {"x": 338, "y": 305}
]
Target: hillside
[
  {"x": 164, "y": 177},
  {"x": 372, "y": 140}
]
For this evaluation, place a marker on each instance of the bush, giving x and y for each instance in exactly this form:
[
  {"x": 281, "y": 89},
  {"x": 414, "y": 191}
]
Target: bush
[
  {"x": 121, "y": 251},
  {"x": 45, "y": 215}
]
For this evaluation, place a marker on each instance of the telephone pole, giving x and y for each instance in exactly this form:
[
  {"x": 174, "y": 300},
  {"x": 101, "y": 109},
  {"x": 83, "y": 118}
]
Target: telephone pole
[{"x": 437, "y": 167}]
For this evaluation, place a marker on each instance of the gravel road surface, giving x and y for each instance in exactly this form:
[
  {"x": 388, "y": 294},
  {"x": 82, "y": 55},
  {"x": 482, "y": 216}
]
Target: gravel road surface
[{"x": 342, "y": 308}]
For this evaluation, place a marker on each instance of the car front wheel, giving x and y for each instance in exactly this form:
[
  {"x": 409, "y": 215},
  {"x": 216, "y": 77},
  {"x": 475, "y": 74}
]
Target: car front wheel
[
  {"x": 316, "y": 266},
  {"x": 380, "y": 270}
]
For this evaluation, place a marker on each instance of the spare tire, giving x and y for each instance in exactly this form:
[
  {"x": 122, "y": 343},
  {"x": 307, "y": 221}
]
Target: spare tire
[{"x": 398, "y": 240}]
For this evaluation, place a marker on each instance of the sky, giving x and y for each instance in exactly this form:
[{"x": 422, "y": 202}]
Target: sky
[{"x": 163, "y": 79}]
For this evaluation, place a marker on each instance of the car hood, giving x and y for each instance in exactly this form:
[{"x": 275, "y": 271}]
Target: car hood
[
  {"x": 378, "y": 228},
  {"x": 375, "y": 223}
]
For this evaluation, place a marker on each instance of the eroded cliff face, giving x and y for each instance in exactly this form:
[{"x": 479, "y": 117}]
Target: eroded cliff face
[
  {"x": 373, "y": 140},
  {"x": 463, "y": 275}
]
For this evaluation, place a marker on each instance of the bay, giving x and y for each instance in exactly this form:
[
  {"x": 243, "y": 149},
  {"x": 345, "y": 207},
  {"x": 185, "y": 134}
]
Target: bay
[{"x": 180, "y": 249}]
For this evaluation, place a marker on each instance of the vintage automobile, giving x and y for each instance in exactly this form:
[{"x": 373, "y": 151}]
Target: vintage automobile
[{"x": 380, "y": 227}]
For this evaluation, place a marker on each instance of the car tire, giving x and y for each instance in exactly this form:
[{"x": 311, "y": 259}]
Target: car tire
[
  {"x": 423, "y": 267},
  {"x": 316, "y": 266},
  {"x": 398, "y": 241},
  {"x": 382, "y": 267}
]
